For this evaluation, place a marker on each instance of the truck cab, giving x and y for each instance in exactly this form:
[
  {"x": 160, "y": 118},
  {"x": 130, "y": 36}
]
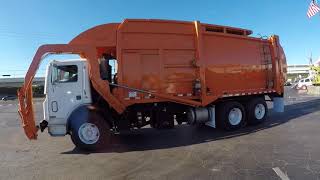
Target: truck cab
[{"x": 67, "y": 87}]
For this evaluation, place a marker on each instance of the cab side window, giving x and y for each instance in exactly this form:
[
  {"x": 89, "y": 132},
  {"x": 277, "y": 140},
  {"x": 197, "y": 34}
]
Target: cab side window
[{"x": 65, "y": 74}]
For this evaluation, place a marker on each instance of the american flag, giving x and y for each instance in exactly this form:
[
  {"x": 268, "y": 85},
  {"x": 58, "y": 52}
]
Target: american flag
[{"x": 313, "y": 9}]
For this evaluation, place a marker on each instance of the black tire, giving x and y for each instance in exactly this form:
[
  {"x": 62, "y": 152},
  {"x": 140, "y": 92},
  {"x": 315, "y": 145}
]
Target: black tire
[
  {"x": 252, "y": 117},
  {"x": 223, "y": 112},
  {"x": 94, "y": 121}
]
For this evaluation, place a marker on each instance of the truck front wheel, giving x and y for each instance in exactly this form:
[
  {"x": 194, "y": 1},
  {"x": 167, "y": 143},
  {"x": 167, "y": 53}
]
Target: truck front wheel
[
  {"x": 231, "y": 115},
  {"x": 92, "y": 133}
]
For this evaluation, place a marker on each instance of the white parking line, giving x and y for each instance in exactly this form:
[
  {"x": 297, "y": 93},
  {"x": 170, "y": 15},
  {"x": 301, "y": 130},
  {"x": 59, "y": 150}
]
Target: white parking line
[
  {"x": 7, "y": 105},
  {"x": 280, "y": 173}
]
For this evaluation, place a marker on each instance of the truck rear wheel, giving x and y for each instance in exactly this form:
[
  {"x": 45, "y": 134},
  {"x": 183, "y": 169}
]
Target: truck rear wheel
[
  {"x": 92, "y": 133},
  {"x": 257, "y": 111},
  {"x": 231, "y": 115}
]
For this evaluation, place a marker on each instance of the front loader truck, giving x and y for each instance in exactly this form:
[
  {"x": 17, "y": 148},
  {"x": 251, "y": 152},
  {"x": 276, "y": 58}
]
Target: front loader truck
[{"x": 157, "y": 73}]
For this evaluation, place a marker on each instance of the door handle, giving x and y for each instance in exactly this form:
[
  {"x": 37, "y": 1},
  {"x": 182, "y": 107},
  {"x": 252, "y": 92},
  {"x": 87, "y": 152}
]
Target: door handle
[{"x": 54, "y": 106}]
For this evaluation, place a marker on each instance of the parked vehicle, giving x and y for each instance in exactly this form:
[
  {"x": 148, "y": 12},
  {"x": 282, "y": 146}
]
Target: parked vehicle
[
  {"x": 6, "y": 98},
  {"x": 165, "y": 72},
  {"x": 304, "y": 83},
  {"x": 287, "y": 84}
]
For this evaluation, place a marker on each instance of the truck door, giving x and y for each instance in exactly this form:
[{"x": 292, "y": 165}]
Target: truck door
[{"x": 66, "y": 92}]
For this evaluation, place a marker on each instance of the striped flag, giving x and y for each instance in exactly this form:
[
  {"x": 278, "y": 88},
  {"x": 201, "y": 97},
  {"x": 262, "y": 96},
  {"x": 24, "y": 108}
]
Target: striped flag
[{"x": 313, "y": 9}]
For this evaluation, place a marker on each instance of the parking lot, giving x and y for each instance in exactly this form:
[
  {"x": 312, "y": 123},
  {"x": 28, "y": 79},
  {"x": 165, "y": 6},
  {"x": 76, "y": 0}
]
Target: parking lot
[{"x": 286, "y": 146}]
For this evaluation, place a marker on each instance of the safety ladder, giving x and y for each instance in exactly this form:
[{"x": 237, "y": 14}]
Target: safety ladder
[{"x": 266, "y": 62}]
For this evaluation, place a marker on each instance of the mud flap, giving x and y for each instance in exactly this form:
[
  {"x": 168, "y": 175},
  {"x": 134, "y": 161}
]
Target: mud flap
[{"x": 278, "y": 104}]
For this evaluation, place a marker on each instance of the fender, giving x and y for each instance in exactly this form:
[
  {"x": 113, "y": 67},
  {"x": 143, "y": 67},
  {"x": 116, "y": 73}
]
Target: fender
[
  {"x": 83, "y": 113},
  {"x": 80, "y": 114}
]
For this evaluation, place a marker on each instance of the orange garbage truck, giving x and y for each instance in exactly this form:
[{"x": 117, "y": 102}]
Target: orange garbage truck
[{"x": 157, "y": 73}]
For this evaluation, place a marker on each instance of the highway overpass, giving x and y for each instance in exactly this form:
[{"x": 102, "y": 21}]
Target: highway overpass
[
  {"x": 18, "y": 81},
  {"x": 298, "y": 69}
]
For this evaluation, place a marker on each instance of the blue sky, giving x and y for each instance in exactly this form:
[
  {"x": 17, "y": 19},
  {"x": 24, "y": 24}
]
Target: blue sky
[{"x": 26, "y": 24}]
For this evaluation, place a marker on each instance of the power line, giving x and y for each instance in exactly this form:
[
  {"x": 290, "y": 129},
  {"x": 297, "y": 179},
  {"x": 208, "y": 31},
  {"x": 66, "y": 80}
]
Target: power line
[
  {"x": 6, "y": 30},
  {"x": 25, "y": 36},
  {"x": 32, "y": 35}
]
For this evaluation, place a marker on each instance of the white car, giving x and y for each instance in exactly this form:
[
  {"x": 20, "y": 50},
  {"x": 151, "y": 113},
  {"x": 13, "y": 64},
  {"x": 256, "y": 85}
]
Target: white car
[
  {"x": 6, "y": 98},
  {"x": 304, "y": 83}
]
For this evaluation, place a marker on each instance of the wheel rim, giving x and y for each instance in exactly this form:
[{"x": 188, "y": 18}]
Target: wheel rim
[
  {"x": 89, "y": 133},
  {"x": 259, "y": 111},
  {"x": 235, "y": 116}
]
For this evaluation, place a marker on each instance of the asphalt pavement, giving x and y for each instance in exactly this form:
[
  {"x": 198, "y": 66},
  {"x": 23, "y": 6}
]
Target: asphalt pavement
[{"x": 287, "y": 146}]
